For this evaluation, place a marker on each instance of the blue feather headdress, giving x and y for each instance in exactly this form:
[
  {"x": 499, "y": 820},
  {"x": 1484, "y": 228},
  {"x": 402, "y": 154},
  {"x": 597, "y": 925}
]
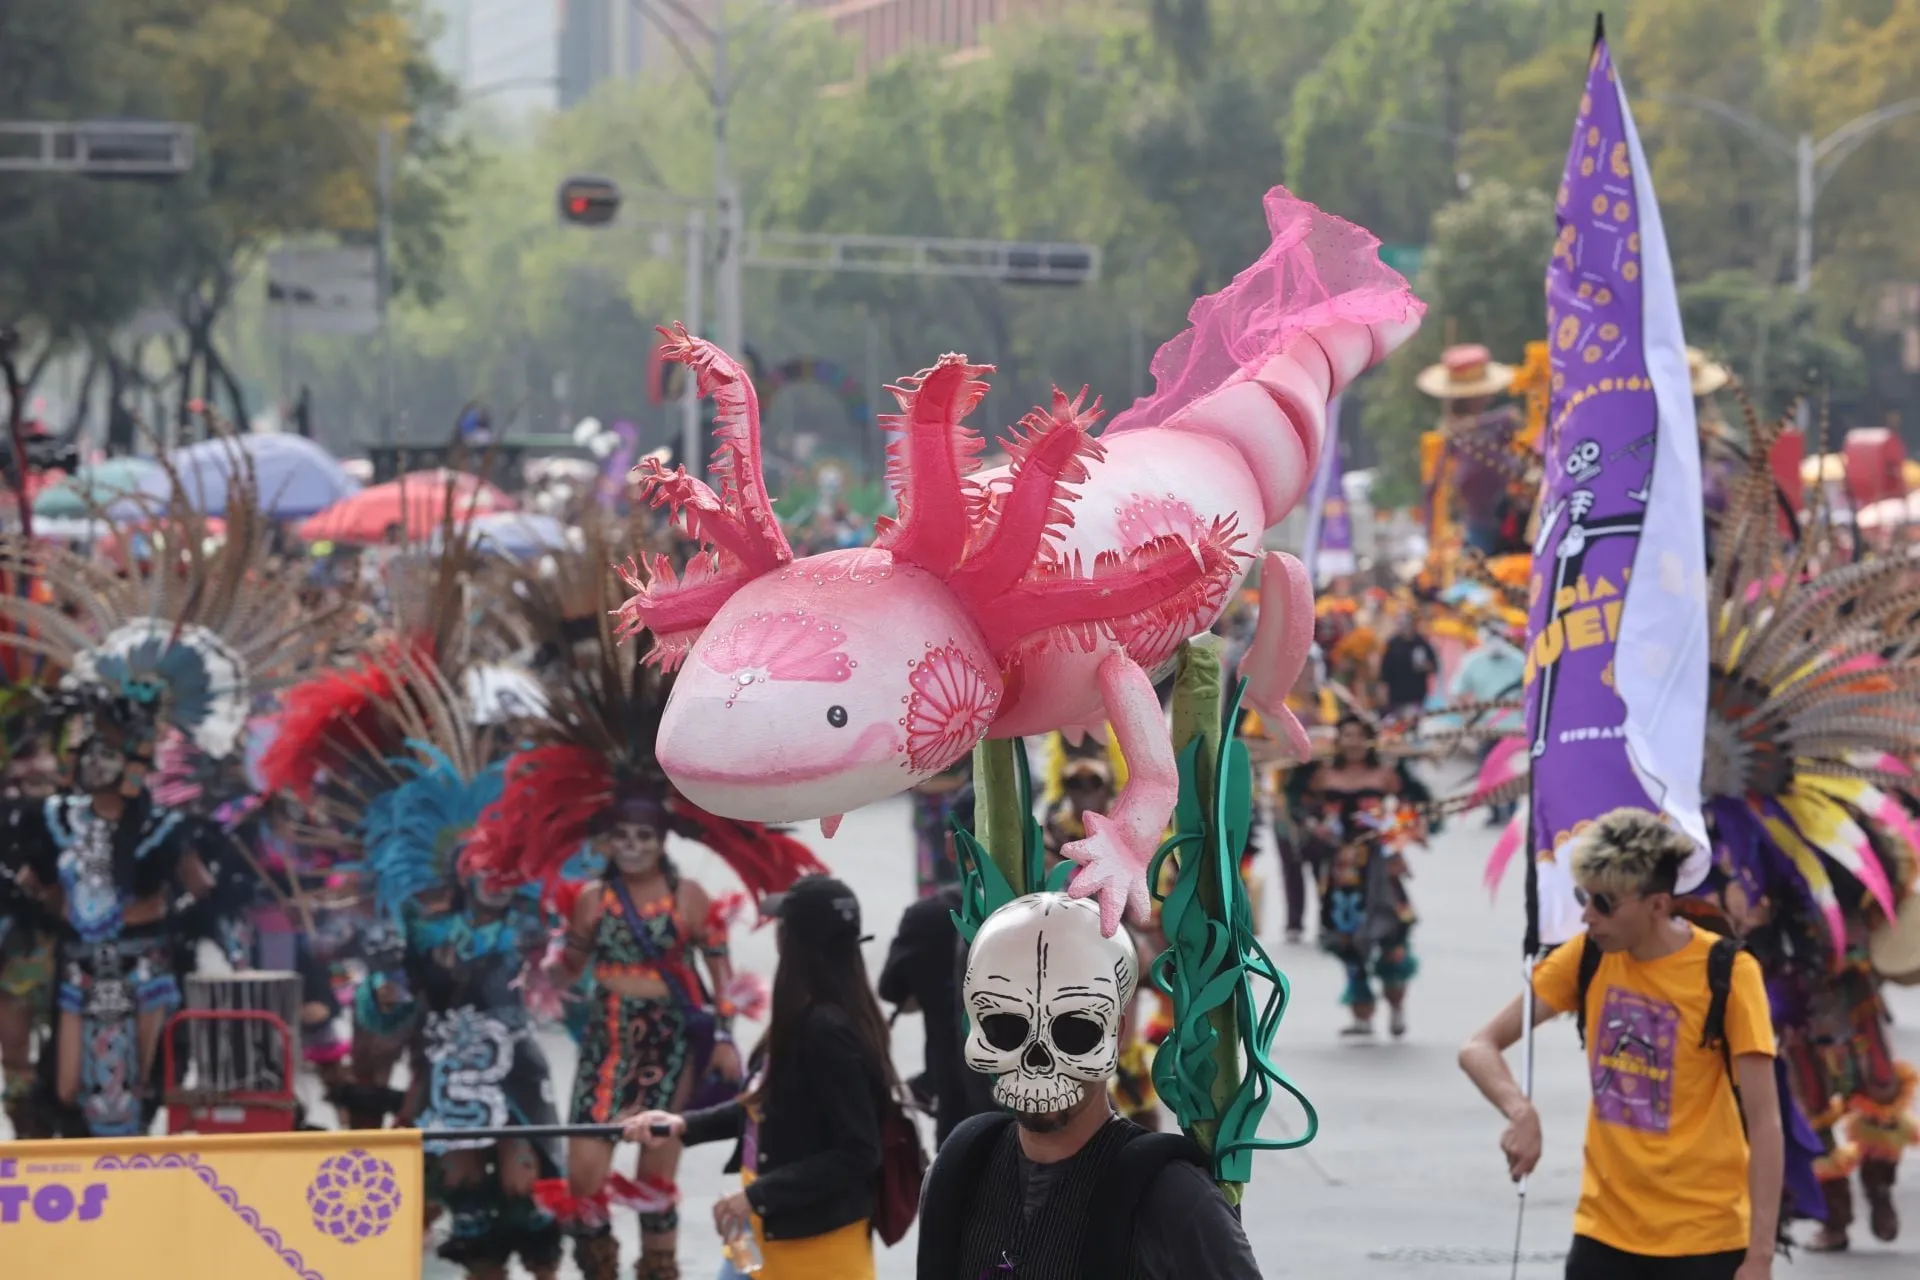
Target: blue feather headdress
[{"x": 413, "y": 832}]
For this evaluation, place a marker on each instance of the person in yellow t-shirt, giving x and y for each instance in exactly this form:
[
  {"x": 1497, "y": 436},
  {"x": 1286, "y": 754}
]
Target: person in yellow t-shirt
[{"x": 1671, "y": 1189}]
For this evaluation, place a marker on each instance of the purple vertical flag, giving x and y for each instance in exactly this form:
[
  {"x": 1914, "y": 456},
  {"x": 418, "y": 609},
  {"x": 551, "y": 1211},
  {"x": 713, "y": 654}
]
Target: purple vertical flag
[
  {"x": 1617, "y": 633},
  {"x": 1328, "y": 551}
]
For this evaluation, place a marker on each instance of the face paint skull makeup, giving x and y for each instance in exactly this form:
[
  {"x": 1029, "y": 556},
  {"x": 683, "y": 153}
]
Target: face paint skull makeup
[
  {"x": 634, "y": 849},
  {"x": 1045, "y": 992},
  {"x": 99, "y": 765}
]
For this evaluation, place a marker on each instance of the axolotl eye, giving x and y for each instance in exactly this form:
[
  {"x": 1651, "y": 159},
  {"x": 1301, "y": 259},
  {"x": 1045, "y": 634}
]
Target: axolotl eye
[{"x": 837, "y": 716}]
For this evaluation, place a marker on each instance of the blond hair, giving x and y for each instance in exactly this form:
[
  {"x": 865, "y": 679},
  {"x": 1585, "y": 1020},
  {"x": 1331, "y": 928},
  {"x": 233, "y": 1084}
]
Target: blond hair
[{"x": 1629, "y": 851}]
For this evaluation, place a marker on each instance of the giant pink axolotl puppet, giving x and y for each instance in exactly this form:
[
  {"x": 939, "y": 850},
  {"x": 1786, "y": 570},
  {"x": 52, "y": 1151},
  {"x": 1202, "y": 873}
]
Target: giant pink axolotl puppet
[{"x": 1043, "y": 595}]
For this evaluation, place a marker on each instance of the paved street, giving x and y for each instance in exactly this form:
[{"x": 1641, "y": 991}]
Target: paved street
[{"x": 1405, "y": 1178}]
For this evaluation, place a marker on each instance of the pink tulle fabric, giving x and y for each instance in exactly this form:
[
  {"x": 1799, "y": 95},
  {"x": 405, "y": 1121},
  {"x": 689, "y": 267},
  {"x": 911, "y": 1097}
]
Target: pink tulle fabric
[{"x": 1319, "y": 270}]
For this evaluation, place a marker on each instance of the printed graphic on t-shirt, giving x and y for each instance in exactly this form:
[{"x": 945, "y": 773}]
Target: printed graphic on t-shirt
[{"x": 1633, "y": 1061}]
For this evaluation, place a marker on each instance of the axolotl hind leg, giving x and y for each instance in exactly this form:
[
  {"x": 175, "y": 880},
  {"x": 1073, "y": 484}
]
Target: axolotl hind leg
[
  {"x": 1121, "y": 843},
  {"x": 1282, "y": 639}
]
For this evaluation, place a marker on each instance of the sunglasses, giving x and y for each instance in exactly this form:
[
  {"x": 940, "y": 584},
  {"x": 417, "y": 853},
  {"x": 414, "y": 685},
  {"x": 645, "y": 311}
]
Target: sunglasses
[
  {"x": 1603, "y": 904},
  {"x": 1086, "y": 782}
]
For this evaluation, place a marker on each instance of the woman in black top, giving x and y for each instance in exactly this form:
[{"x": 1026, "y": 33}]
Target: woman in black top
[
  {"x": 1358, "y": 816},
  {"x": 808, "y": 1127}
]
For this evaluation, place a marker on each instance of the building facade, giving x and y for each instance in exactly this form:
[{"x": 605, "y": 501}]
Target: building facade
[
  {"x": 887, "y": 28},
  {"x": 610, "y": 39}
]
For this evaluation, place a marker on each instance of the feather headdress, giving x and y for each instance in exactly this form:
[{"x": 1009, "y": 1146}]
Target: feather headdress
[
  {"x": 189, "y": 630},
  {"x": 1811, "y": 729},
  {"x": 594, "y": 743},
  {"x": 399, "y": 815},
  {"x": 346, "y": 720}
]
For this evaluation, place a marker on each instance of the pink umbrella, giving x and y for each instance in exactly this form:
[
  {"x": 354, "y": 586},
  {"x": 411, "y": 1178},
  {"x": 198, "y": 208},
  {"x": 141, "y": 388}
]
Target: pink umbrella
[{"x": 416, "y": 504}]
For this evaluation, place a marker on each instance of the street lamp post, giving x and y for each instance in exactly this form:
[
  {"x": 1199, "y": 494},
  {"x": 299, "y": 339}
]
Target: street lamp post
[
  {"x": 1814, "y": 162},
  {"x": 729, "y": 222}
]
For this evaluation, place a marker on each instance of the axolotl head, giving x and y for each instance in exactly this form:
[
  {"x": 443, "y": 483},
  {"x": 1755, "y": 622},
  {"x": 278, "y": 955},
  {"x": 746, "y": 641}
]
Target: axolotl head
[{"x": 824, "y": 685}]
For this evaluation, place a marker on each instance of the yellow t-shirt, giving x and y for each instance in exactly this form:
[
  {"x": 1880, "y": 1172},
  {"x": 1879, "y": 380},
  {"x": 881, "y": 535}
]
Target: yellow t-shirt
[{"x": 1666, "y": 1158}]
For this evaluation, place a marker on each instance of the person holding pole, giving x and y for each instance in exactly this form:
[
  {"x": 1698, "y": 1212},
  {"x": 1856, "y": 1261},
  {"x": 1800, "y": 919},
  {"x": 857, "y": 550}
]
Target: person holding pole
[{"x": 1684, "y": 1147}]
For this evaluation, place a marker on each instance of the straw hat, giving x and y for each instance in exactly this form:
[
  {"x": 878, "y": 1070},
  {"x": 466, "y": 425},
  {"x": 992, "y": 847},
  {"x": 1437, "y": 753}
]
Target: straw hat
[
  {"x": 1707, "y": 375},
  {"x": 1465, "y": 373},
  {"x": 1894, "y": 946}
]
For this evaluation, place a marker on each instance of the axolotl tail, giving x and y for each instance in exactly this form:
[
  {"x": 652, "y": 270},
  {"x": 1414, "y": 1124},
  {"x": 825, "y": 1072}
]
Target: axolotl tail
[
  {"x": 1261, "y": 358},
  {"x": 1276, "y": 416}
]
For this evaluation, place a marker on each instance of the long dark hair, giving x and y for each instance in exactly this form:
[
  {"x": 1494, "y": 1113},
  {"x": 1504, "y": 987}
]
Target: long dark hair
[
  {"x": 1373, "y": 751},
  {"x": 834, "y": 976}
]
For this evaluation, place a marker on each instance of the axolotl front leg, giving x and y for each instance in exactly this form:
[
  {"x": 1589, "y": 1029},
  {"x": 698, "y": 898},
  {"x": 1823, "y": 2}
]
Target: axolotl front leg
[{"x": 1120, "y": 843}]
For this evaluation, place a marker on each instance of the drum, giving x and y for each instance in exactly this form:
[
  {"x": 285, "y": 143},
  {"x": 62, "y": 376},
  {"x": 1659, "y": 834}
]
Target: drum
[
  {"x": 248, "y": 1054},
  {"x": 1894, "y": 945}
]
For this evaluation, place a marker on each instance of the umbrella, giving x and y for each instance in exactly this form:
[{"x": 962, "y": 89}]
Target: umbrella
[
  {"x": 419, "y": 500},
  {"x": 514, "y": 534},
  {"x": 72, "y": 529},
  {"x": 296, "y": 477},
  {"x": 124, "y": 488}
]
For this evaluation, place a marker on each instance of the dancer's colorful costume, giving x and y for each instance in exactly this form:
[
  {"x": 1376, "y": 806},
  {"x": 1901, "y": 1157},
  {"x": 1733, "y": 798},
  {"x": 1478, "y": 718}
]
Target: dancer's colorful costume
[{"x": 177, "y": 642}]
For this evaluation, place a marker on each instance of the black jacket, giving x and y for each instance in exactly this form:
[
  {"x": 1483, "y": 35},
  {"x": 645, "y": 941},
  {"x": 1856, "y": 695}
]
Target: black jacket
[
  {"x": 819, "y": 1138},
  {"x": 922, "y": 967}
]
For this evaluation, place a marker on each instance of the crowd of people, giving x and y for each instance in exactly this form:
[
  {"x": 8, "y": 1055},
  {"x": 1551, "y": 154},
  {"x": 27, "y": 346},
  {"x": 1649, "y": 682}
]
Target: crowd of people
[{"x": 423, "y": 805}]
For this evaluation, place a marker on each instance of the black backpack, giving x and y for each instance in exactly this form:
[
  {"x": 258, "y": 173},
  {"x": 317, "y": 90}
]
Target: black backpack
[{"x": 962, "y": 1163}]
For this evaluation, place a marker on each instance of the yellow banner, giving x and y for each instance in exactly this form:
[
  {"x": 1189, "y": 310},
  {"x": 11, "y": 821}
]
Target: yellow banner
[{"x": 309, "y": 1206}]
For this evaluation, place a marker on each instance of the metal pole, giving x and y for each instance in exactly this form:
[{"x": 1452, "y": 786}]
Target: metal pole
[
  {"x": 727, "y": 317},
  {"x": 1137, "y": 354},
  {"x": 384, "y": 254},
  {"x": 1805, "y": 194},
  {"x": 1526, "y": 1085},
  {"x": 612, "y": 1132},
  {"x": 875, "y": 395},
  {"x": 691, "y": 451}
]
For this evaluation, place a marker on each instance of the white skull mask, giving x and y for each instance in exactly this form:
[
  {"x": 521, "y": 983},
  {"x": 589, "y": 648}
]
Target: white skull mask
[{"x": 1045, "y": 992}]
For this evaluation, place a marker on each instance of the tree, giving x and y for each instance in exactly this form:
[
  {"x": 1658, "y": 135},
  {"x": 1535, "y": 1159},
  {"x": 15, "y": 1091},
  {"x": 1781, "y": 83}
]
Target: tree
[
  {"x": 1151, "y": 130},
  {"x": 293, "y": 151},
  {"x": 1379, "y": 129},
  {"x": 286, "y": 96},
  {"x": 1785, "y": 344},
  {"x": 77, "y": 255}
]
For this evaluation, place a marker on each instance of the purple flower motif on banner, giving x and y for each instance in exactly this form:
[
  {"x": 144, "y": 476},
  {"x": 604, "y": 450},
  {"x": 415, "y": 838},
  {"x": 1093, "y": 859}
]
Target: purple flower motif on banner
[{"x": 354, "y": 1197}]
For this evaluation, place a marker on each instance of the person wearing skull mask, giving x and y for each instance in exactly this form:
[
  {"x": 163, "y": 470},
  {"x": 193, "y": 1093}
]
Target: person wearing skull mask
[
  {"x": 639, "y": 928},
  {"x": 1062, "y": 1187},
  {"x": 101, "y": 865}
]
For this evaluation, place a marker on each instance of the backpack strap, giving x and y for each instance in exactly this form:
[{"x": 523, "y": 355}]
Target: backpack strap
[
  {"x": 1713, "y": 1031},
  {"x": 1109, "y": 1240},
  {"x": 958, "y": 1167},
  {"x": 1589, "y": 966}
]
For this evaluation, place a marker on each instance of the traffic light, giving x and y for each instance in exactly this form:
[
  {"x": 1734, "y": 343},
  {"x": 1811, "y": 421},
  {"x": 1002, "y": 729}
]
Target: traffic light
[
  {"x": 1064, "y": 264},
  {"x": 589, "y": 202}
]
